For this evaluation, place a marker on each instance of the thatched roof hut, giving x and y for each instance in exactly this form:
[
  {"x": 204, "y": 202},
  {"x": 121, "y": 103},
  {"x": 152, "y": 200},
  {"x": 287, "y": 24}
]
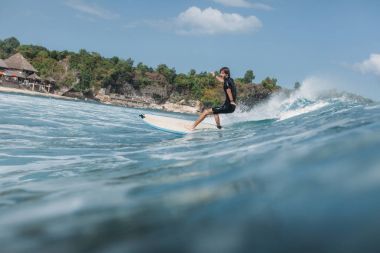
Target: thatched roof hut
[
  {"x": 3, "y": 65},
  {"x": 17, "y": 61},
  {"x": 34, "y": 76},
  {"x": 50, "y": 80}
]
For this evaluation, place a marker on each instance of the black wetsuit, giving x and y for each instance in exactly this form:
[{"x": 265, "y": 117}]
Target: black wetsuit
[{"x": 227, "y": 107}]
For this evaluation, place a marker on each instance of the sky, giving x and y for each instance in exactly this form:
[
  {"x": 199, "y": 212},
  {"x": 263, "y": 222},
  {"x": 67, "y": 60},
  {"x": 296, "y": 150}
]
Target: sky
[{"x": 335, "y": 42}]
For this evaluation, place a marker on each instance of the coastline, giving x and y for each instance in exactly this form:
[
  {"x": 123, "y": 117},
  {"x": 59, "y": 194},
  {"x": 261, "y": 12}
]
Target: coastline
[
  {"x": 168, "y": 107},
  {"x": 146, "y": 103},
  {"x": 33, "y": 93}
]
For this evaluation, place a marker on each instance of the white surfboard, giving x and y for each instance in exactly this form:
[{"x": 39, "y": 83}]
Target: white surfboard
[{"x": 173, "y": 125}]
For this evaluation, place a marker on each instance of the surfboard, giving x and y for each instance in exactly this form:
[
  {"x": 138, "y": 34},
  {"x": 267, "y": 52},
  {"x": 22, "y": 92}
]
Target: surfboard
[{"x": 174, "y": 125}]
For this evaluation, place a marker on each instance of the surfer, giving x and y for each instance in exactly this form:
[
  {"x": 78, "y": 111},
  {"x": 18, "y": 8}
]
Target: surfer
[{"x": 229, "y": 105}]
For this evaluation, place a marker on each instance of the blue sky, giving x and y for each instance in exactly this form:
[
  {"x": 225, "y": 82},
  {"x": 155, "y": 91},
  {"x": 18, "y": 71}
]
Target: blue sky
[{"x": 336, "y": 42}]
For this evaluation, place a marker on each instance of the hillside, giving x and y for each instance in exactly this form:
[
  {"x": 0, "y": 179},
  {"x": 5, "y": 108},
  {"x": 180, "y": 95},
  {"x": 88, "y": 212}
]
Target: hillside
[{"x": 86, "y": 74}]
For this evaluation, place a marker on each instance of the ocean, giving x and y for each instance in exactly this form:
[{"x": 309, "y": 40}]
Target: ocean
[{"x": 298, "y": 173}]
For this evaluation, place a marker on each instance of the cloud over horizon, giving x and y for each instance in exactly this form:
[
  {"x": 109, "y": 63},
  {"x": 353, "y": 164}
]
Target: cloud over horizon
[
  {"x": 91, "y": 9},
  {"x": 212, "y": 21},
  {"x": 369, "y": 66}
]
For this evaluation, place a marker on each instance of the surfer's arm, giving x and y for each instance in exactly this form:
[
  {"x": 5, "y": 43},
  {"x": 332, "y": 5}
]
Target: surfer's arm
[{"x": 229, "y": 93}]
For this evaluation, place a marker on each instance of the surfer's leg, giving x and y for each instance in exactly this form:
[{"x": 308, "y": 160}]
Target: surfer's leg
[
  {"x": 201, "y": 118},
  {"x": 217, "y": 121}
]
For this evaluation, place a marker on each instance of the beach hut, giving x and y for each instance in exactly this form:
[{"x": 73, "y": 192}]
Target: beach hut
[
  {"x": 18, "y": 62},
  {"x": 17, "y": 70},
  {"x": 50, "y": 80},
  {"x": 34, "y": 79}
]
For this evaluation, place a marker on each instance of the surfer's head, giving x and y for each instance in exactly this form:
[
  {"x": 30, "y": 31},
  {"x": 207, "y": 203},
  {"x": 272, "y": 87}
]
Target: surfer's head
[{"x": 225, "y": 72}]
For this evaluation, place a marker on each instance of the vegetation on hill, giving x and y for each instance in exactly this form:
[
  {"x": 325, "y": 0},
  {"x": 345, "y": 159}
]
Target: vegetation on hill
[{"x": 88, "y": 72}]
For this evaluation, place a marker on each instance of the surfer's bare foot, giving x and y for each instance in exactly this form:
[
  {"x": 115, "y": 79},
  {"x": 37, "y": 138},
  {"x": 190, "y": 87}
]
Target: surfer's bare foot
[{"x": 190, "y": 128}]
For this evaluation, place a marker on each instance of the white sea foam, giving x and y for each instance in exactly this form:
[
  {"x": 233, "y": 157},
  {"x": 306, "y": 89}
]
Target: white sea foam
[
  {"x": 293, "y": 113},
  {"x": 310, "y": 97},
  {"x": 373, "y": 107}
]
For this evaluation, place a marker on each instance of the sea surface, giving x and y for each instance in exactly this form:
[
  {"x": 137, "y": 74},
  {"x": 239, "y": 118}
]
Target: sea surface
[{"x": 299, "y": 173}]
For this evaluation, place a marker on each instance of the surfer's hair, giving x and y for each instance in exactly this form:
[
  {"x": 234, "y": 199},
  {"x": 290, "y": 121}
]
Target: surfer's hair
[{"x": 226, "y": 70}]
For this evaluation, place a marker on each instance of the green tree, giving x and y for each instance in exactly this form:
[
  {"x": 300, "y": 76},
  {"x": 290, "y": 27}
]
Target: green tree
[
  {"x": 183, "y": 83},
  {"x": 142, "y": 68},
  {"x": 115, "y": 60},
  {"x": 31, "y": 51},
  {"x": 192, "y": 72},
  {"x": 64, "y": 54},
  {"x": 54, "y": 54},
  {"x": 269, "y": 83},
  {"x": 249, "y": 76},
  {"x": 46, "y": 66},
  {"x": 168, "y": 73},
  {"x": 121, "y": 74},
  {"x": 8, "y": 47},
  {"x": 84, "y": 81}
]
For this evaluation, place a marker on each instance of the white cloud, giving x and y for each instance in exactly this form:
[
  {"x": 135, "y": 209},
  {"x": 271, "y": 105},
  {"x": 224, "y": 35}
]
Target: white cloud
[
  {"x": 212, "y": 21},
  {"x": 91, "y": 9},
  {"x": 244, "y": 4},
  {"x": 371, "y": 65}
]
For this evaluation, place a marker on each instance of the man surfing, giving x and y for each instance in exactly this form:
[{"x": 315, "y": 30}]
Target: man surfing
[{"x": 229, "y": 105}]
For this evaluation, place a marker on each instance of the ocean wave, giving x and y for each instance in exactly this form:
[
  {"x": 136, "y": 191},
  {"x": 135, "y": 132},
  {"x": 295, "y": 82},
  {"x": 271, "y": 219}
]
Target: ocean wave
[{"x": 79, "y": 173}]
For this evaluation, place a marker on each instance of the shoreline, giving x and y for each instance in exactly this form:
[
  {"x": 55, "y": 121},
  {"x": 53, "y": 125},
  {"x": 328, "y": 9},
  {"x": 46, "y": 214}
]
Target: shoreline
[
  {"x": 167, "y": 107},
  {"x": 33, "y": 93}
]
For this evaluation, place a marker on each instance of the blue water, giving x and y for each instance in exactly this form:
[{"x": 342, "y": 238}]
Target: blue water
[{"x": 296, "y": 174}]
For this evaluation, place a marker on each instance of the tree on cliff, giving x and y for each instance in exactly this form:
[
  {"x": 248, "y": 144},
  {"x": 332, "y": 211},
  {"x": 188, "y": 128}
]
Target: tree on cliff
[
  {"x": 168, "y": 73},
  {"x": 269, "y": 83},
  {"x": 121, "y": 74},
  {"x": 249, "y": 76},
  {"x": 142, "y": 68},
  {"x": 8, "y": 47}
]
